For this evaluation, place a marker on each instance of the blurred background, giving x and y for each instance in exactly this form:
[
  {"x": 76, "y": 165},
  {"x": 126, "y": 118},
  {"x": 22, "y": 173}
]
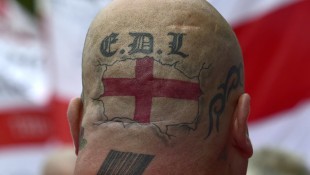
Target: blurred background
[{"x": 41, "y": 46}]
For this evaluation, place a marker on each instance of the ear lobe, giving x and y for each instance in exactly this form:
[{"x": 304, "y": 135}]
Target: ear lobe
[
  {"x": 74, "y": 115},
  {"x": 240, "y": 128}
]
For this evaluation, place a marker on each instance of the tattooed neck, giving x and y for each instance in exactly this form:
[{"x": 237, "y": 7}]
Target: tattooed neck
[{"x": 125, "y": 163}]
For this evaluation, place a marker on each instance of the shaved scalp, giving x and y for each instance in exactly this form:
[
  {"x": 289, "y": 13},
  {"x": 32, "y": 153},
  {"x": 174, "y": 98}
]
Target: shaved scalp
[{"x": 159, "y": 73}]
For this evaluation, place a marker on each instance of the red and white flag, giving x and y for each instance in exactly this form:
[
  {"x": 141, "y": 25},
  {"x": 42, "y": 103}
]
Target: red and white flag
[
  {"x": 274, "y": 37},
  {"x": 24, "y": 92},
  {"x": 24, "y": 81}
]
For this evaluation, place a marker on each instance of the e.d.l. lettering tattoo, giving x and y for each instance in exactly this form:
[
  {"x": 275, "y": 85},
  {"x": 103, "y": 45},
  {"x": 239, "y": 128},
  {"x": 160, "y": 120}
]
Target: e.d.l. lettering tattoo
[{"x": 142, "y": 42}]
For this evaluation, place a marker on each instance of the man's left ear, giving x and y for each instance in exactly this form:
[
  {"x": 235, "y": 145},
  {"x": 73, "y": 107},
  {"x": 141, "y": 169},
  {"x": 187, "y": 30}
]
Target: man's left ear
[
  {"x": 74, "y": 115},
  {"x": 240, "y": 128}
]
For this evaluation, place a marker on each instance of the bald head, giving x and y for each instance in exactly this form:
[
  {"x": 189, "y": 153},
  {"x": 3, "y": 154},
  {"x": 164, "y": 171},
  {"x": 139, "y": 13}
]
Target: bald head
[
  {"x": 189, "y": 34},
  {"x": 162, "y": 80}
]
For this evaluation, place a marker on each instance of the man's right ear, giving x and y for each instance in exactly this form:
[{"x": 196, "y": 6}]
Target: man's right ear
[
  {"x": 240, "y": 128},
  {"x": 74, "y": 114}
]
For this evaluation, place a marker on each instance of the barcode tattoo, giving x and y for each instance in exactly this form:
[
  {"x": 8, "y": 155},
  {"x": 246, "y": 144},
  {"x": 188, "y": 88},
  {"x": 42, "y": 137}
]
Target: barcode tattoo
[{"x": 124, "y": 163}]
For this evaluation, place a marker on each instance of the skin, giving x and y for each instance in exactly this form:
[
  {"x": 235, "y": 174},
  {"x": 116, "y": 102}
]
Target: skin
[{"x": 128, "y": 112}]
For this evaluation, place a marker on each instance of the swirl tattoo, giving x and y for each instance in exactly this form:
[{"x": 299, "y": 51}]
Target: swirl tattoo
[{"x": 218, "y": 102}]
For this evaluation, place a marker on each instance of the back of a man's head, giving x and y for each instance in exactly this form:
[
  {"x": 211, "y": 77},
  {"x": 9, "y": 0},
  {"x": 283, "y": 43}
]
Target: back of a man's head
[{"x": 162, "y": 92}]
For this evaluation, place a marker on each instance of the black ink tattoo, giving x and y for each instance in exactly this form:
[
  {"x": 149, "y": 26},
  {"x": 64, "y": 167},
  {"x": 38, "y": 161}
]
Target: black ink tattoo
[
  {"x": 124, "y": 163},
  {"x": 106, "y": 45},
  {"x": 142, "y": 43},
  {"x": 218, "y": 102},
  {"x": 176, "y": 44},
  {"x": 82, "y": 140}
]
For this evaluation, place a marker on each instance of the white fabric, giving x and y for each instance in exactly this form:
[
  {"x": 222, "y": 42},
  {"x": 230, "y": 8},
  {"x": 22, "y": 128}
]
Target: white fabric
[
  {"x": 68, "y": 24},
  {"x": 24, "y": 80},
  {"x": 238, "y": 11},
  {"x": 25, "y": 159},
  {"x": 288, "y": 130}
]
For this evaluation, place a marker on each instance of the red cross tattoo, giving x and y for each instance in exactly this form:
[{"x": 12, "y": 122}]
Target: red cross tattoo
[{"x": 144, "y": 87}]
